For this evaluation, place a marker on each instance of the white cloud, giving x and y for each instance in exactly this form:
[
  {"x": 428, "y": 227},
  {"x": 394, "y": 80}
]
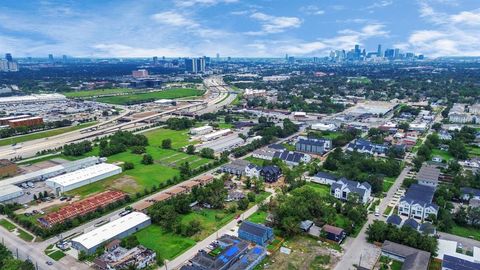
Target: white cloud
[
  {"x": 467, "y": 17},
  {"x": 380, "y": 4},
  {"x": 190, "y": 3},
  {"x": 173, "y": 18},
  {"x": 272, "y": 24},
  {"x": 312, "y": 10}
]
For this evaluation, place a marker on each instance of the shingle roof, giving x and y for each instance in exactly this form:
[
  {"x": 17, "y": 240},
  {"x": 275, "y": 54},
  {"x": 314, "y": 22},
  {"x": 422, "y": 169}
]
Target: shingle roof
[
  {"x": 427, "y": 228},
  {"x": 415, "y": 259},
  {"x": 272, "y": 169},
  {"x": 454, "y": 263},
  {"x": 394, "y": 219},
  {"x": 428, "y": 173},
  {"x": 332, "y": 229},
  {"x": 311, "y": 141},
  {"x": 276, "y": 146},
  {"x": 253, "y": 228},
  {"x": 325, "y": 175},
  {"x": 468, "y": 191},
  {"x": 419, "y": 193},
  {"x": 412, "y": 223},
  {"x": 289, "y": 156}
]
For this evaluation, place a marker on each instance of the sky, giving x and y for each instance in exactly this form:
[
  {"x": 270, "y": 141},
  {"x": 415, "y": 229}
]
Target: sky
[{"x": 236, "y": 28}]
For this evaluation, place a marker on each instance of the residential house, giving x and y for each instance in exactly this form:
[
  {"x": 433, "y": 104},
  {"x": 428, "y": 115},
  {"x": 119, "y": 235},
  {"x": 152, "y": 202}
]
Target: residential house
[
  {"x": 256, "y": 233},
  {"x": 417, "y": 202},
  {"x": 270, "y": 173},
  {"x": 324, "y": 178},
  {"x": 444, "y": 135},
  {"x": 236, "y": 167},
  {"x": 341, "y": 189},
  {"x": 428, "y": 175},
  {"x": 367, "y": 147},
  {"x": 120, "y": 258},
  {"x": 412, "y": 258},
  {"x": 314, "y": 146},
  {"x": 333, "y": 233},
  {"x": 394, "y": 220},
  {"x": 293, "y": 158},
  {"x": 264, "y": 153},
  {"x": 306, "y": 225},
  {"x": 412, "y": 223},
  {"x": 468, "y": 193},
  {"x": 252, "y": 170}
]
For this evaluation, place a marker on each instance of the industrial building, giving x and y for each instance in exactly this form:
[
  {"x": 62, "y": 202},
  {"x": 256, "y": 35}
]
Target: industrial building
[
  {"x": 26, "y": 122},
  {"x": 8, "y": 184},
  {"x": 201, "y": 130},
  {"x": 117, "y": 229},
  {"x": 82, "y": 177},
  {"x": 35, "y": 98},
  {"x": 10, "y": 192},
  {"x": 216, "y": 134},
  {"x": 6, "y": 119}
]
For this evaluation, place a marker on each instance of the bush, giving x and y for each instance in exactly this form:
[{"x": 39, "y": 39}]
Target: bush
[
  {"x": 128, "y": 166},
  {"x": 147, "y": 159}
]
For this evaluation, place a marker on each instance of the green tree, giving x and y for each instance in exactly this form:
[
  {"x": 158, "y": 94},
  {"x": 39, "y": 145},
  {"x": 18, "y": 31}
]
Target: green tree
[
  {"x": 191, "y": 149},
  {"x": 147, "y": 159},
  {"x": 128, "y": 166},
  {"x": 243, "y": 204},
  {"x": 167, "y": 144}
]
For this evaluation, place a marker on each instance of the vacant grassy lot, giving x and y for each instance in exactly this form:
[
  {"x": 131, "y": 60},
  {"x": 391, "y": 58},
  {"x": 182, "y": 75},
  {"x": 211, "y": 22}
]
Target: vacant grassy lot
[
  {"x": 468, "y": 232},
  {"x": 146, "y": 97},
  {"x": 256, "y": 161},
  {"x": 473, "y": 151},
  {"x": 258, "y": 217},
  {"x": 210, "y": 219},
  {"x": 43, "y": 134},
  {"x": 443, "y": 154},
  {"x": 98, "y": 92},
  {"x": 167, "y": 245},
  {"x": 146, "y": 176},
  {"x": 388, "y": 183},
  {"x": 322, "y": 189},
  {"x": 180, "y": 138}
]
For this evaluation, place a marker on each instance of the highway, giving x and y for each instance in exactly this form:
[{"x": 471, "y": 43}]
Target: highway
[{"x": 217, "y": 97}]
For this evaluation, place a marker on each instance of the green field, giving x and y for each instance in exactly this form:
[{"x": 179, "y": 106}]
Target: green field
[
  {"x": 167, "y": 245},
  {"x": 43, "y": 134},
  {"x": 56, "y": 255},
  {"x": 256, "y": 161},
  {"x": 98, "y": 92},
  {"x": 443, "y": 154},
  {"x": 24, "y": 235},
  {"x": 7, "y": 225},
  {"x": 258, "y": 217},
  {"x": 468, "y": 232},
  {"x": 138, "y": 98},
  {"x": 322, "y": 189},
  {"x": 388, "y": 183},
  {"x": 473, "y": 151},
  {"x": 146, "y": 176}
]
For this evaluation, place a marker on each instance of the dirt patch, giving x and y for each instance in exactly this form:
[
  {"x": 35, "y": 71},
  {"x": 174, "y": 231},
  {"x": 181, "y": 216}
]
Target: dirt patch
[
  {"x": 125, "y": 183},
  {"x": 306, "y": 254},
  {"x": 39, "y": 166}
]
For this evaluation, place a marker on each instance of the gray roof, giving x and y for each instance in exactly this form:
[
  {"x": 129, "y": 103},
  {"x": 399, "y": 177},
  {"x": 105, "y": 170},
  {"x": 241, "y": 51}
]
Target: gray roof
[
  {"x": 394, "y": 219},
  {"x": 311, "y": 141},
  {"x": 427, "y": 228},
  {"x": 353, "y": 186},
  {"x": 420, "y": 194},
  {"x": 415, "y": 259},
  {"x": 289, "y": 156},
  {"x": 428, "y": 173},
  {"x": 412, "y": 223},
  {"x": 253, "y": 228},
  {"x": 468, "y": 191},
  {"x": 325, "y": 175}
]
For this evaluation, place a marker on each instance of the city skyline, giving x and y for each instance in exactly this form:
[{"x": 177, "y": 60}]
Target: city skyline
[{"x": 237, "y": 28}]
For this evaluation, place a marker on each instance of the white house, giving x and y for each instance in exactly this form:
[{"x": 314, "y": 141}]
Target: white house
[
  {"x": 324, "y": 178},
  {"x": 252, "y": 170},
  {"x": 265, "y": 154},
  {"x": 417, "y": 202},
  {"x": 342, "y": 188}
]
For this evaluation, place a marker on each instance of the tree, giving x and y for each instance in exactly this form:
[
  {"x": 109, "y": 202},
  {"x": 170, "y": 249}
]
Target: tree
[
  {"x": 243, "y": 204},
  {"x": 228, "y": 118},
  {"x": 457, "y": 149},
  {"x": 191, "y": 149},
  {"x": 138, "y": 150},
  {"x": 129, "y": 242},
  {"x": 147, "y": 159},
  {"x": 251, "y": 197},
  {"x": 403, "y": 125},
  {"x": 207, "y": 153},
  {"x": 167, "y": 144},
  {"x": 82, "y": 255},
  {"x": 128, "y": 166},
  {"x": 474, "y": 215}
]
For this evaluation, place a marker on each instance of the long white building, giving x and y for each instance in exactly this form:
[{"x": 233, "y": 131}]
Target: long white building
[
  {"x": 32, "y": 98},
  {"x": 117, "y": 229},
  {"x": 201, "y": 130},
  {"x": 82, "y": 177}
]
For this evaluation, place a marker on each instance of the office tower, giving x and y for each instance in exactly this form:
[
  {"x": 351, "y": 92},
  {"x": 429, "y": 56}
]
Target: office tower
[
  {"x": 141, "y": 73},
  {"x": 291, "y": 60},
  {"x": 9, "y": 57},
  {"x": 50, "y": 58},
  {"x": 64, "y": 58},
  {"x": 286, "y": 57},
  {"x": 191, "y": 65},
  {"x": 315, "y": 59},
  {"x": 3, "y": 65},
  {"x": 201, "y": 64},
  {"x": 397, "y": 53},
  {"x": 379, "y": 50},
  {"x": 421, "y": 57},
  {"x": 218, "y": 57},
  {"x": 389, "y": 53},
  {"x": 155, "y": 60},
  {"x": 12, "y": 66}
]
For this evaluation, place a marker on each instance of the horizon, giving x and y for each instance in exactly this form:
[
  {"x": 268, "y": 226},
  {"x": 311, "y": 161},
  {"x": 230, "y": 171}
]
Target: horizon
[{"x": 235, "y": 28}]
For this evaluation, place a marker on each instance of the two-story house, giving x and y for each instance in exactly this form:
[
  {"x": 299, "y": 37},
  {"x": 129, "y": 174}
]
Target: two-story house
[{"x": 343, "y": 188}]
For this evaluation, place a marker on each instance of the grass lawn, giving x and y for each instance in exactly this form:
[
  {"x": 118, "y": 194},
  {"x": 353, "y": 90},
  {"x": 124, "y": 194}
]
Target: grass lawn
[
  {"x": 468, "y": 232},
  {"x": 225, "y": 125},
  {"x": 210, "y": 219},
  {"x": 165, "y": 94},
  {"x": 258, "y": 217},
  {"x": 167, "y": 245},
  {"x": 387, "y": 210},
  {"x": 331, "y": 134},
  {"x": 180, "y": 138},
  {"x": 473, "y": 151},
  {"x": 56, "y": 255},
  {"x": 322, "y": 189},
  {"x": 254, "y": 160},
  {"x": 7, "y": 225},
  {"x": 98, "y": 92},
  {"x": 24, "y": 235},
  {"x": 443, "y": 154},
  {"x": 388, "y": 183},
  {"x": 43, "y": 134}
]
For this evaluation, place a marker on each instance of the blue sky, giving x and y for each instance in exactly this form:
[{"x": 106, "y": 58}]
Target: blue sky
[{"x": 260, "y": 28}]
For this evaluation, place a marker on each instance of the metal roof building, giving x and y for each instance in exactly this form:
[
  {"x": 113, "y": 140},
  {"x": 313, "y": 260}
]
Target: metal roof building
[
  {"x": 116, "y": 229},
  {"x": 85, "y": 176}
]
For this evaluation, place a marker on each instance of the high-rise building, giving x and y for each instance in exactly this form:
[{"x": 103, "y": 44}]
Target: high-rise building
[
  {"x": 379, "y": 50},
  {"x": 218, "y": 57},
  {"x": 390, "y": 53},
  {"x": 3, "y": 65},
  {"x": 291, "y": 60},
  {"x": 50, "y": 58},
  {"x": 201, "y": 64},
  {"x": 155, "y": 60},
  {"x": 141, "y": 73},
  {"x": 64, "y": 58},
  {"x": 397, "y": 53},
  {"x": 9, "y": 57},
  {"x": 191, "y": 65}
]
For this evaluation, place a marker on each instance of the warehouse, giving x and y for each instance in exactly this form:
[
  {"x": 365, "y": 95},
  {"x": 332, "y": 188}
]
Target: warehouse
[
  {"x": 10, "y": 192},
  {"x": 117, "y": 229},
  {"x": 26, "y": 122},
  {"x": 82, "y": 177},
  {"x": 201, "y": 130},
  {"x": 216, "y": 134}
]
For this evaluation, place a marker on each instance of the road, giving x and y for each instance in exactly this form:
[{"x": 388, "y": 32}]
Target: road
[
  {"x": 34, "y": 252},
  {"x": 187, "y": 255},
  {"x": 359, "y": 250}
]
